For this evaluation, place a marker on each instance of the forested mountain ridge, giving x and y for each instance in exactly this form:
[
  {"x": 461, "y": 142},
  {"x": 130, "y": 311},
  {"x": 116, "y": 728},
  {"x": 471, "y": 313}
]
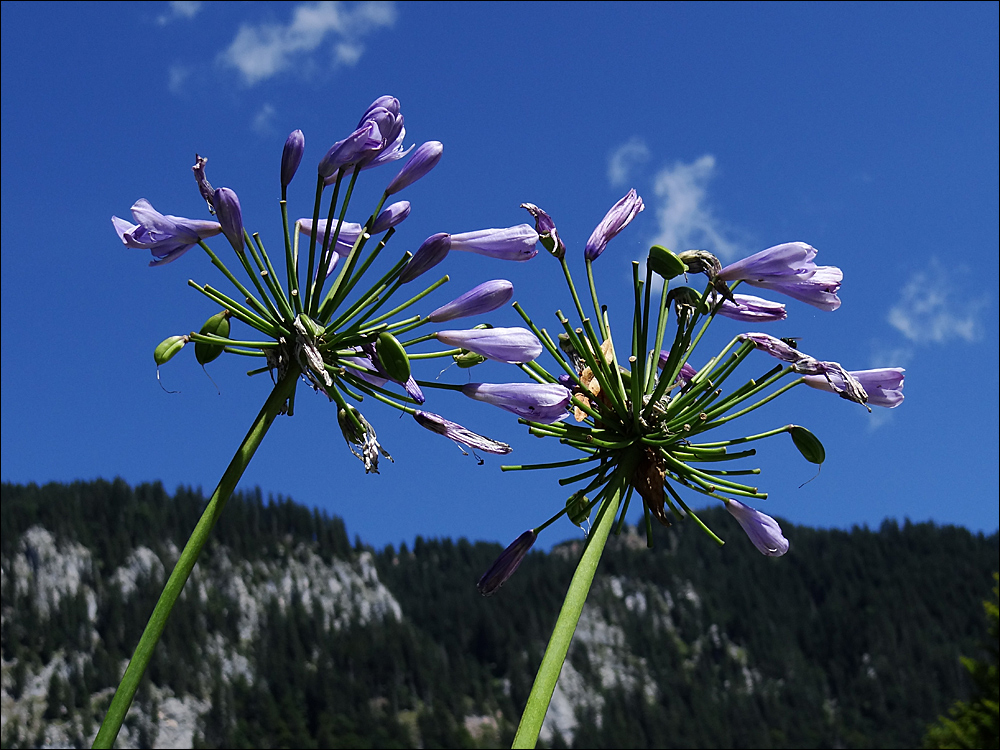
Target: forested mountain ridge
[{"x": 288, "y": 635}]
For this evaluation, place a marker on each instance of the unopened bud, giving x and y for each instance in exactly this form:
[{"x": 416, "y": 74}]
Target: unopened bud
[
  {"x": 578, "y": 508},
  {"x": 393, "y": 357},
  {"x": 808, "y": 444},
  {"x": 167, "y": 348},
  {"x": 217, "y": 325}
]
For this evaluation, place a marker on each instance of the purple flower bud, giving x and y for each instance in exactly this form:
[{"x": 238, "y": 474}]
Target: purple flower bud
[
  {"x": 512, "y": 243},
  {"x": 509, "y": 345},
  {"x": 227, "y": 207},
  {"x": 429, "y": 254},
  {"x": 539, "y": 402},
  {"x": 884, "y": 386},
  {"x": 424, "y": 159},
  {"x": 615, "y": 221},
  {"x": 687, "y": 371},
  {"x": 486, "y": 297},
  {"x": 505, "y": 565},
  {"x": 749, "y": 309},
  {"x": 166, "y": 237},
  {"x": 789, "y": 269},
  {"x": 391, "y": 216},
  {"x": 291, "y": 156},
  {"x": 764, "y": 531},
  {"x": 547, "y": 233},
  {"x": 459, "y": 434}
]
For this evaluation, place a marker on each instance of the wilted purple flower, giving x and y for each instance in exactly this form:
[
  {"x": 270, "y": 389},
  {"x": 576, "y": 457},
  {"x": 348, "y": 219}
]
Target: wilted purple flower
[
  {"x": 539, "y": 402},
  {"x": 749, "y": 309},
  {"x": 512, "y": 243},
  {"x": 687, "y": 371},
  {"x": 505, "y": 565},
  {"x": 454, "y": 431},
  {"x": 227, "y": 207},
  {"x": 424, "y": 159},
  {"x": 615, "y": 221},
  {"x": 884, "y": 386},
  {"x": 548, "y": 235},
  {"x": 509, "y": 345},
  {"x": 166, "y": 237},
  {"x": 204, "y": 186},
  {"x": 291, "y": 155},
  {"x": 431, "y": 252},
  {"x": 486, "y": 297},
  {"x": 775, "y": 347},
  {"x": 789, "y": 269},
  {"x": 764, "y": 531}
]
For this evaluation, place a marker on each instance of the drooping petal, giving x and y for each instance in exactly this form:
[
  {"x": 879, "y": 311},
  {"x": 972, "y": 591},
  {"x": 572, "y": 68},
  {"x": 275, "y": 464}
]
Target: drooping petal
[
  {"x": 509, "y": 345},
  {"x": 455, "y": 431},
  {"x": 539, "y": 402},
  {"x": 484, "y": 298},
  {"x": 505, "y": 565},
  {"x": 511, "y": 243},
  {"x": 619, "y": 217},
  {"x": 764, "y": 531}
]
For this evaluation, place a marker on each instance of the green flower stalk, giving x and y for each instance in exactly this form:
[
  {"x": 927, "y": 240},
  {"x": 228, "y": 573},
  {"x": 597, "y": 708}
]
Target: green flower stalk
[
  {"x": 339, "y": 338},
  {"x": 638, "y": 408}
]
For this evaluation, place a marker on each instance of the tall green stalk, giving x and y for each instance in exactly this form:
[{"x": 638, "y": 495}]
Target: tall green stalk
[{"x": 185, "y": 564}]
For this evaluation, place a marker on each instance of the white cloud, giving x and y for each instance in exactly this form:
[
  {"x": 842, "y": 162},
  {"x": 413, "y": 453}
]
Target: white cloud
[
  {"x": 179, "y": 9},
  {"x": 624, "y": 159},
  {"x": 931, "y": 310},
  {"x": 177, "y": 77},
  {"x": 685, "y": 218},
  {"x": 260, "y": 52},
  {"x": 264, "y": 119}
]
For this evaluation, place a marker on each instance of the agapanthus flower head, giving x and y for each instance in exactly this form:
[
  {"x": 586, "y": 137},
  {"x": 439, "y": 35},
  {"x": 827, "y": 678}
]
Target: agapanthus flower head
[
  {"x": 455, "y": 431},
  {"x": 424, "y": 159},
  {"x": 539, "y": 402},
  {"x": 227, "y": 208},
  {"x": 548, "y": 235},
  {"x": 505, "y": 565},
  {"x": 789, "y": 269},
  {"x": 512, "y": 345},
  {"x": 619, "y": 217},
  {"x": 510, "y": 243},
  {"x": 432, "y": 251},
  {"x": 484, "y": 298},
  {"x": 166, "y": 237},
  {"x": 883, "y": 385},
  {"x": 291, "y": 156},
  {"x": 764, "y": 531}
]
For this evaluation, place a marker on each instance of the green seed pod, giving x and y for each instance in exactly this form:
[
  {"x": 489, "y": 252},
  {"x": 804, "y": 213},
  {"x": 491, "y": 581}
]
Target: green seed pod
[
  {"x": 808, "y": 444},
  {"x": 578, "y": 508},
  {"x": 468, "y": 359},
  {"x": 167, "y": 348},
  {"x": 665, "y": 263},
  {"x": 217, "y": 325},
  {"x": 393, "y": 357}
]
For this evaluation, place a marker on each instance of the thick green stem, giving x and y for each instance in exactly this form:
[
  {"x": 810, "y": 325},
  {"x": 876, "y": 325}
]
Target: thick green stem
[
  {"x": 185, "y": 564},
  {"x": 569, "y": 616}
]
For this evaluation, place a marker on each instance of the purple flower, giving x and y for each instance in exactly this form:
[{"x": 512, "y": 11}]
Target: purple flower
[
  {"x": 749, "y": 309},
  {"x": 364, "y": 141},
  {"x": 512, "y": 243},
  {"x": 424, "y": 159},
  {"x": 615, "y": 221},
  {"x": 378, "y": 139},
  {"x": 775, "y": 347},
  {"x": 505, "y": 565},
  {"x": 884, "y": 386},
  {"x": 291, "y": 156},
  {"x": 789, "y": 269},
  {"x": 763, "y": 530},
  {"x": 391, "y": 216},
  {"x": 538, "y": 402},
  {"x": 509, "y": 345},
  {"x": 548, "y": 235},
  {"x": 454, "y": 431},
  {"x": 166, "y": 237},
  {"x": 227, "y": 208},
  {"x": 431, "y": 252},
  {"x": 687, "y": 371},
  {"x": 486, "y": 297}
]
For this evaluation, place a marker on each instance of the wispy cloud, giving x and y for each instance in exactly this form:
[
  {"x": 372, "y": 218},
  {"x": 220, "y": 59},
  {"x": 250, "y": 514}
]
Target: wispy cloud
[
  {"x": 260, "y": 52},
  {"x": 177, "y": 77},
  {"x": 684, "y": 214},
  {"x": 179, "y": 10},
  {"x": 625, "y": 159},
  {"x": 931, "y": 310},
  {"x": 263, "y": 121}
]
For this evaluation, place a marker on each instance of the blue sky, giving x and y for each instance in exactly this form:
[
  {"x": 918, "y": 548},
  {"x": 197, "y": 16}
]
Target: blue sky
[{"x": 867, "y": 130}]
